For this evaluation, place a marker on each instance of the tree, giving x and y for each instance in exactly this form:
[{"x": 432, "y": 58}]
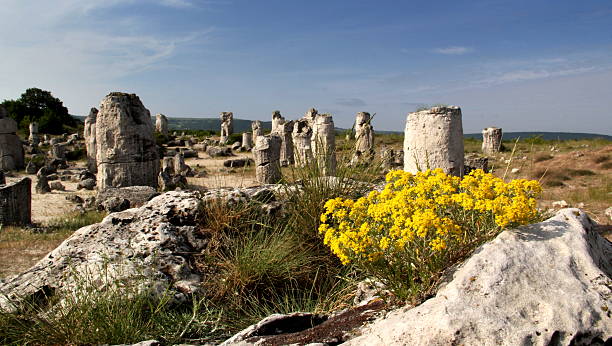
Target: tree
[{"x": 40, "y": 106}]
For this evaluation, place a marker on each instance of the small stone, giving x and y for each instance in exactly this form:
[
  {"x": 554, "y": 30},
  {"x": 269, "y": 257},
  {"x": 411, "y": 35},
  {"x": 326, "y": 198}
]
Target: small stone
[
  {"x": 56, "y": 185},
  {"x": 560, "y": 204},
  {"x": 87, "y": 184},
  {"x": 515, "y": 170}
]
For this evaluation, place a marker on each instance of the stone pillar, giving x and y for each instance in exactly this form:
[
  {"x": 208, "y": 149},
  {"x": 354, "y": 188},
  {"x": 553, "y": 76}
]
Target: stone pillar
[
  {"x": 491, "y": 140},
  {"x": 227, "y": 126},
  {"x": 126, "y": 152},
  {"x": 247, "y": 141},
  {"x": 434, "y": 139},
  {"x": 285, "y": 132},
  {"x": 277, "y": 120},
  {"x": 387, "y": 156},
  {"x": 34, "y": 138},
  {"x": 11, "y": 149},
  {"x": 161, "y": 124},
  {"x": 364, "y": 138},
  {"x": 257, "y": 130},
  {"x": 267, "y": 159},
  {"x": 311, "y": 115},
  {"x": 324, "y": 144},
  {"x": 89, "y": 132},
  {"x": 302, "y": 141},
  {"x": 16, "y": 203},
  {"x": 180, "y": 167}
]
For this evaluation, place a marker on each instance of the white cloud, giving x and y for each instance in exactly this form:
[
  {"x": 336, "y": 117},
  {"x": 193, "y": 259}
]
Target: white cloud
[{"x": 455, "y": 50}]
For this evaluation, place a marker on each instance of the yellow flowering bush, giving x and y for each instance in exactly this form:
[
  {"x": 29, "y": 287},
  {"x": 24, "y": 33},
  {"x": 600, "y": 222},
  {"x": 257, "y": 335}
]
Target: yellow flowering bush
[{"x": 420, "y": 224}]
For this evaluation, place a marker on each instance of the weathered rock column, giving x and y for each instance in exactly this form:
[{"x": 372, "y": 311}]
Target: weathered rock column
[
  {"x": 168, "y": 165},
  {"x": 324, "y": 144},
  {"x": 302, "y": 142},
  {"x": 434, "y": 139},
  {"x": 89, "y": 132},
  {"x": 16, "y": 203},
  {"x": 387, "y": 156},
  {"x": 285, "y": 132},
  {"x": 267, "y": 159},
  {"x": 311, "y": 116},
  {"x": 227, "y": 126},
  {"x": 247, "y": 141},
  {"x": 161, "y": 124},
  {"x": 126, "y": 153},
  {"x": 364, "y": 138},
  {"x": 11, "y": 149},
  {"x": 277, "y": 120},
  {"x": 257, "y": 130},
  {"x": 34, "y": 138},
  {"x": 491, "y": 140}
]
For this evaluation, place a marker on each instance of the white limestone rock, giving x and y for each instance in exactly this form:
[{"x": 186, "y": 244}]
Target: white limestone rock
[
  {"x": 543, "y": 284},
  {"x": 434, "y": 139},
  {"x": 126, "y": 152}
]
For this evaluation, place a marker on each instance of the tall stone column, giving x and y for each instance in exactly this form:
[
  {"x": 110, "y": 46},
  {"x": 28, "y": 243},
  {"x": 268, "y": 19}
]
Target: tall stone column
[
  {"x": 277, "y": 120},
  {"x": 161, "y": 124},
  {"x": 302, "y": 142},
  {"x": 267, "y": 159},
  {"x": 257, "y": 130},
  {"x": 227, "y": 126},
  {"x": 364, "y": 138},
  {"x": 34, "y": 138},
  {"x": 324, "y": 144},
  {"x": 434, "y": 139},
  {"x": 247, "y": 141},
  {"x": 11, "y": 149},
  {"x": 89, "y": 132},
  {"x": 491, "y": 140},
  {"x": 285, "y": 132},
  {"x": 126, "y": 152}
]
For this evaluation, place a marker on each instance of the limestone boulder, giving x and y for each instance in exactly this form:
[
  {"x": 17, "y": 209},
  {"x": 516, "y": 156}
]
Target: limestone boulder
[
  {"x": 136, "y": 195},
  {"x": 126, "y": 152},
  {"x": 543, "y": 284}
]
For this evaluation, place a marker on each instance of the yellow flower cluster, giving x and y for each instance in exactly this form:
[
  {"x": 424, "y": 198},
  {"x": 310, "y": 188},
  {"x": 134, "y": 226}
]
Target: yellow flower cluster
[{"x": 420, "y": 215}]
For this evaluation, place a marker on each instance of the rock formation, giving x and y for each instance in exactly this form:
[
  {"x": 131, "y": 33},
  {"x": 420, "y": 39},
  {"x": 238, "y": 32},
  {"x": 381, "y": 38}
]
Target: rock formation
[
  {"x": 58, "y": 152},
  {"x": 543, "y": 284},
  {"x": 324, "y": 144},
  {"x": 257, "y": 129},
  {"x": 364, "y": 138},
  {"x": 227, "y": 126},
  {"x": 311, "y": 115},
  {"x": 491, "y": 140},
  {"x": 89, "y": 132},
  {"x": 267, "y": 159},
  {"x": 126, "y": 153},
  {"x": 34, "y": 138},
  {"x": 161, "y": 124},
  {"x": 302, "y": 142},
  {"x": 434, "y": 139},
  {"x": 16, "y": 202},
  {"x": 11, "y": 149},
  {"x": 247, "y": 141},
  {"x": 283, "y": 129}
]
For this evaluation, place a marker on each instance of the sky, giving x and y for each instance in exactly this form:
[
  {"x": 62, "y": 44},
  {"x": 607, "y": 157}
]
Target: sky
[{"x": 523, "y": 65}]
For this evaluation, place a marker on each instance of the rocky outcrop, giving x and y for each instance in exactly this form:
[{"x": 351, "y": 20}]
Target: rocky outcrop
[
  {"x": 136, "y": 195},
  {"x": 126, "y": 153},
  {"x": 89, "y": 132},
  {"x": 15, "y": 202},
  {"x": 434, "y": 139},
  {"x": 543, "y": 284},
  {"x": 11, "y": 148}
]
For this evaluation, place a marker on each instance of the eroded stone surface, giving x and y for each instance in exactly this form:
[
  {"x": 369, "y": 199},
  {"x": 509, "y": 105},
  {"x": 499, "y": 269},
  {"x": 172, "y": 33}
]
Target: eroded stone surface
[
  {"x": 89, "y": 132},
  {"x": 364, "y": 138},
  {"x": 161, "y": 124},
  {"x": 267, "y": 159},
  {"x": 15, "y": 202},
  {"x": 11, "y": 148},
  {"x": 126, "y": 152},
  {"x": 434, "y": 139},
  {"x": 227, "y": 126},
  {"x": 324, "y": 144},
  {"x": 542, "y": 284},
  {"x": 302, "y": 142},
  {"x": 491, "y": 140}
]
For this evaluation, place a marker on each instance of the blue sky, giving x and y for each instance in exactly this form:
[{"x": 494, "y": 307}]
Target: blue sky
[{"x": 521, "y": 65}]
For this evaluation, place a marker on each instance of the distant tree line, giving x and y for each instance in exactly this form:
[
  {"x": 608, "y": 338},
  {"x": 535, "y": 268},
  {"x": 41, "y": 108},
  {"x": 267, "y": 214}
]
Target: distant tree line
[{"x": 36, "y": 105}]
